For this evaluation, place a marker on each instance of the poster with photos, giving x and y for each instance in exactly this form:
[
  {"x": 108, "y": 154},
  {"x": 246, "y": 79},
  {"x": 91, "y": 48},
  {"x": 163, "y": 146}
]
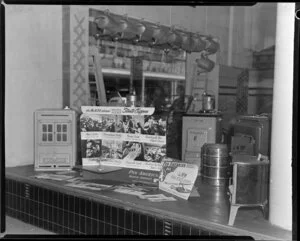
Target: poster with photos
[{"x": 129, "y": 137}]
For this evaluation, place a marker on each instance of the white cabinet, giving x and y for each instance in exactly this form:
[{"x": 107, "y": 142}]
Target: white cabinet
[
  {"x": 55, "y": 139},
  {"x": 198, "y": 129}
]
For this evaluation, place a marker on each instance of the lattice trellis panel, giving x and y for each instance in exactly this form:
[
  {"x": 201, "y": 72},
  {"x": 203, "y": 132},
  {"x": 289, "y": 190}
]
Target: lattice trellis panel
[
  {"x": 227, "y": 103},
  {"x": 242, "y": 92},
  {"x": 79, "y": 77}
]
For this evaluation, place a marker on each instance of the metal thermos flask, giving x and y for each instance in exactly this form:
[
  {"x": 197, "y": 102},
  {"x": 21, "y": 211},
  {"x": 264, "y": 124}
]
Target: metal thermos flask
[{"x": 208, "y": 102}]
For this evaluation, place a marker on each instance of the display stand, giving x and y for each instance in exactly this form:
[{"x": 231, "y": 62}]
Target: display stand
[{"x": 131, "y": 139}]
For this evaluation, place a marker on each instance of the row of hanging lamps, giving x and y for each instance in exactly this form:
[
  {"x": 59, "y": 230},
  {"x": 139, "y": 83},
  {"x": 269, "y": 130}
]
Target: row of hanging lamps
[{"x": 121, "y": 28}]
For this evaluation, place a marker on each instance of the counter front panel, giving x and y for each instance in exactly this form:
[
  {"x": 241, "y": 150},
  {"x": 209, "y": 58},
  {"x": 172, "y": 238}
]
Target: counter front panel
[{"x": 61, "y": 209}]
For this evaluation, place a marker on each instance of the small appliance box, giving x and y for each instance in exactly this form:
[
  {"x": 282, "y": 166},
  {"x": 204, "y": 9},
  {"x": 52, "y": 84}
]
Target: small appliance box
[
  {"x": 55, "y": 139},
  {"x": 198, "y": 129},
  {"x": 124, "y": 144},
  {"x": 255, "y": 129}
]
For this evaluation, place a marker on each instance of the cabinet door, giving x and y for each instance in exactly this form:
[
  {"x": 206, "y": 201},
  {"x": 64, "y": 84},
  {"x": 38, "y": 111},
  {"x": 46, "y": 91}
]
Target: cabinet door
[
  {"x": 62, "y": 133},
  {"x": 196, "y": 138},
  {"x": 46, "y": 133},
  {"x": 55, "y": 133}
]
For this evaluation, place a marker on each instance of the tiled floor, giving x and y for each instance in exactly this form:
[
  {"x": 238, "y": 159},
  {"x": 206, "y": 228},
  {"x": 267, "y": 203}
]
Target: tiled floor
[{"x": 15, "y": 226}]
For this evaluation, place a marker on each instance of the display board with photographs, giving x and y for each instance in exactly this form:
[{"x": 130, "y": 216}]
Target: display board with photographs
[{"x": 129, "y": 137}]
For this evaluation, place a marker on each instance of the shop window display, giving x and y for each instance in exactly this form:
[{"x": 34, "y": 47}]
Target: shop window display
[{"x": 206, "y": 92}]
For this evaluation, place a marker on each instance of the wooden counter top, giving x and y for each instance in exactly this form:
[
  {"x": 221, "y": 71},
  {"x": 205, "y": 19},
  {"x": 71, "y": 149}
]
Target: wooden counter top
[{"x": 210, "y": 210}]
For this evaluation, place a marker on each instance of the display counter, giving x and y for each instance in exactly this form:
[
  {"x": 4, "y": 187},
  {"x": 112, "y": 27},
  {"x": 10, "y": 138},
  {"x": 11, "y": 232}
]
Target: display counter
[{"x": 53, "y": 206}]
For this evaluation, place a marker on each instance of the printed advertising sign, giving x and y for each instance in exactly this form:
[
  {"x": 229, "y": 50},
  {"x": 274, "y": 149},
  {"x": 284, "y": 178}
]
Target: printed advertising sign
[{"x": 130, "y": 137}]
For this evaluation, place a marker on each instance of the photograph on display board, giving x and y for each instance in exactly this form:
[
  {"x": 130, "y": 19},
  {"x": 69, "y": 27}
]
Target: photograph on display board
[
  {"x": 155, "y": 125},
  {"x": 133, "y": 150},
  {"x": 112, "y": 149},
  {"x": 130, "y": 124},
  {"x": 93, "y": 148},
  {"x": 102, "y": 123},
  {"x": 154, "y": 153}
]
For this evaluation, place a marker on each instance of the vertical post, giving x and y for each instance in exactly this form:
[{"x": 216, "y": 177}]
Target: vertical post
[
  {"x": 66, "y": 55},
  {"x": 143, "y": 100},
  {"x": 2, "y": 123},
  {"x": 281, "y": 138},
  {"x": 230, "y": 38}
]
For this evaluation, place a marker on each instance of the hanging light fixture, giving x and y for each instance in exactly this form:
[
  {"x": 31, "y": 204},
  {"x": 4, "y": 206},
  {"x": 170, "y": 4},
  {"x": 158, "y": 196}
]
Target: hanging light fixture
[
  {"x": 184, "y": 40},
  {"x": 134, "y": 31},
  {"x": 171, "y": 36},
  {"x": 140, "y": 30},
  {"x": 104, "y": 22},
  {"x": 121, "y": 24},
  {"x": 157, "y": 33},
  {"x": 212, "y": 45},
  {"x": 205, "y": 63}
]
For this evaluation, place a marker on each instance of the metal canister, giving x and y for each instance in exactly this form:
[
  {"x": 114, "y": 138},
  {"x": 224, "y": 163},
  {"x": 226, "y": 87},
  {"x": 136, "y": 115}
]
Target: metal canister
[
  {"x": 215, "y": 162},
  {"x": 131, "y": 100},
  {"x": 208, "y": 102}
]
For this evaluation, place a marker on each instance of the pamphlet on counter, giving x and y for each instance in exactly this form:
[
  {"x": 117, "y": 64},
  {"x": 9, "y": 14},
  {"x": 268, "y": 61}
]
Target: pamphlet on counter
[{"x": 178, "y": 178}]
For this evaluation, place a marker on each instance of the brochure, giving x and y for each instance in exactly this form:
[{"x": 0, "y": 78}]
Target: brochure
[
  {"x": 178, "y": 178},
  {"x": 55, "y": 177},
  {"x": 88, "y": 185}
]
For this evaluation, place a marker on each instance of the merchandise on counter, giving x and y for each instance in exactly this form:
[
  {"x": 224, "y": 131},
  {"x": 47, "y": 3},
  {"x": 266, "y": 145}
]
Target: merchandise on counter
[
  {"x": 216, "y": 169},
  {"x": 163, "y": 199},
  {"x": 55, "y": 177},
  {"x": 198, "y": 129},
  {"x": 208, "y": 102},
  {"x": 131, "y": 189},
  {"x": 55, "y": 139},
  {"x": 250, "y": 184},
  {"x": 75, "y": 179},
  {"x": 257, "y": 129},
  {"x": 178, "y": 178},
  {"x": 89, "y": 185},
  {"x": 152, "y": 196},
  {"x": 157, "y": 198},
  {"x": 66, "y": 172}
]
